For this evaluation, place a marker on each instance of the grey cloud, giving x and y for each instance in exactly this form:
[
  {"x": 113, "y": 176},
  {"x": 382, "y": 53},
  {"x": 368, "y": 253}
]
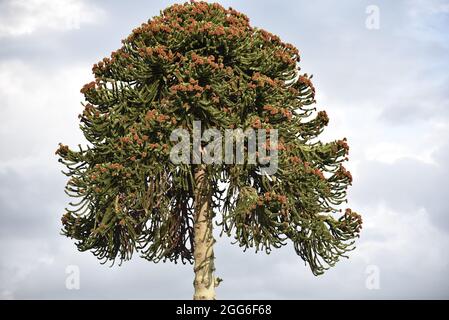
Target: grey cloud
[
  {"x": 407, "y": 185},
  {"x": 386, "y": 85},
  {"x": 37, "y": 261}
]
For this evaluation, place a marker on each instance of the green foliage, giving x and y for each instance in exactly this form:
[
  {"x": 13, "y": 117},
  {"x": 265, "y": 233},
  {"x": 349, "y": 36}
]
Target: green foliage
[{"x": 202, "y": 62}]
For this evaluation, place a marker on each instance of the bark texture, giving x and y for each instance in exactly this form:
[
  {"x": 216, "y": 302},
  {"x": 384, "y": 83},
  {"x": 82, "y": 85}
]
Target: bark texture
[{"x": 205, "y": 281}]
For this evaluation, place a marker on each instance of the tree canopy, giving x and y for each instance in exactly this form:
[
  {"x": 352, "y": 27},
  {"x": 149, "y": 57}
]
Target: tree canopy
[{"x": 201, "y": 62}]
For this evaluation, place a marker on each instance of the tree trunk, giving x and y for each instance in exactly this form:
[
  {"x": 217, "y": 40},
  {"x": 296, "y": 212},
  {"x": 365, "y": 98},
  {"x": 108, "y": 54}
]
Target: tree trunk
[{"x": 205, "y": 281}]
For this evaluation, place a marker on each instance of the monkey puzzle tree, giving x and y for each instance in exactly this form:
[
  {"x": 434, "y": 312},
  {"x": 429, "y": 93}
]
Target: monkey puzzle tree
[{"x": 201, "y": 62}]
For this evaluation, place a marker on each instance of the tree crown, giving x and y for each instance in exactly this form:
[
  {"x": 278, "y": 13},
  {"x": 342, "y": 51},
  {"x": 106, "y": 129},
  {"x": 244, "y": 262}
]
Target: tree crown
[{"x": 201, "y": 62}]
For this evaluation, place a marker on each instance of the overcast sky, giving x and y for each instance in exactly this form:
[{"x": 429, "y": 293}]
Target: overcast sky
[{"x": 385, "y": 89}]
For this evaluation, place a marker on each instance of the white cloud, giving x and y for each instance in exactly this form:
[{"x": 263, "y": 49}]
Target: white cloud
[
  {"x": 6, "y": 295},
  {"x": 410, "y": 251},
  {"x": 421, "y": 7},
  {"x": 385, "y": 92},
  {"x": 24, "y": 17},
  {"x": 399, "y": 241},
  {"x": 388, "y": 152},
  {"x": 37, "y": 110}
]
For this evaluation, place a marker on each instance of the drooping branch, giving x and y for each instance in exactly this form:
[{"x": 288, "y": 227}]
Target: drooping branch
[{"x": 201, "y": 62}]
